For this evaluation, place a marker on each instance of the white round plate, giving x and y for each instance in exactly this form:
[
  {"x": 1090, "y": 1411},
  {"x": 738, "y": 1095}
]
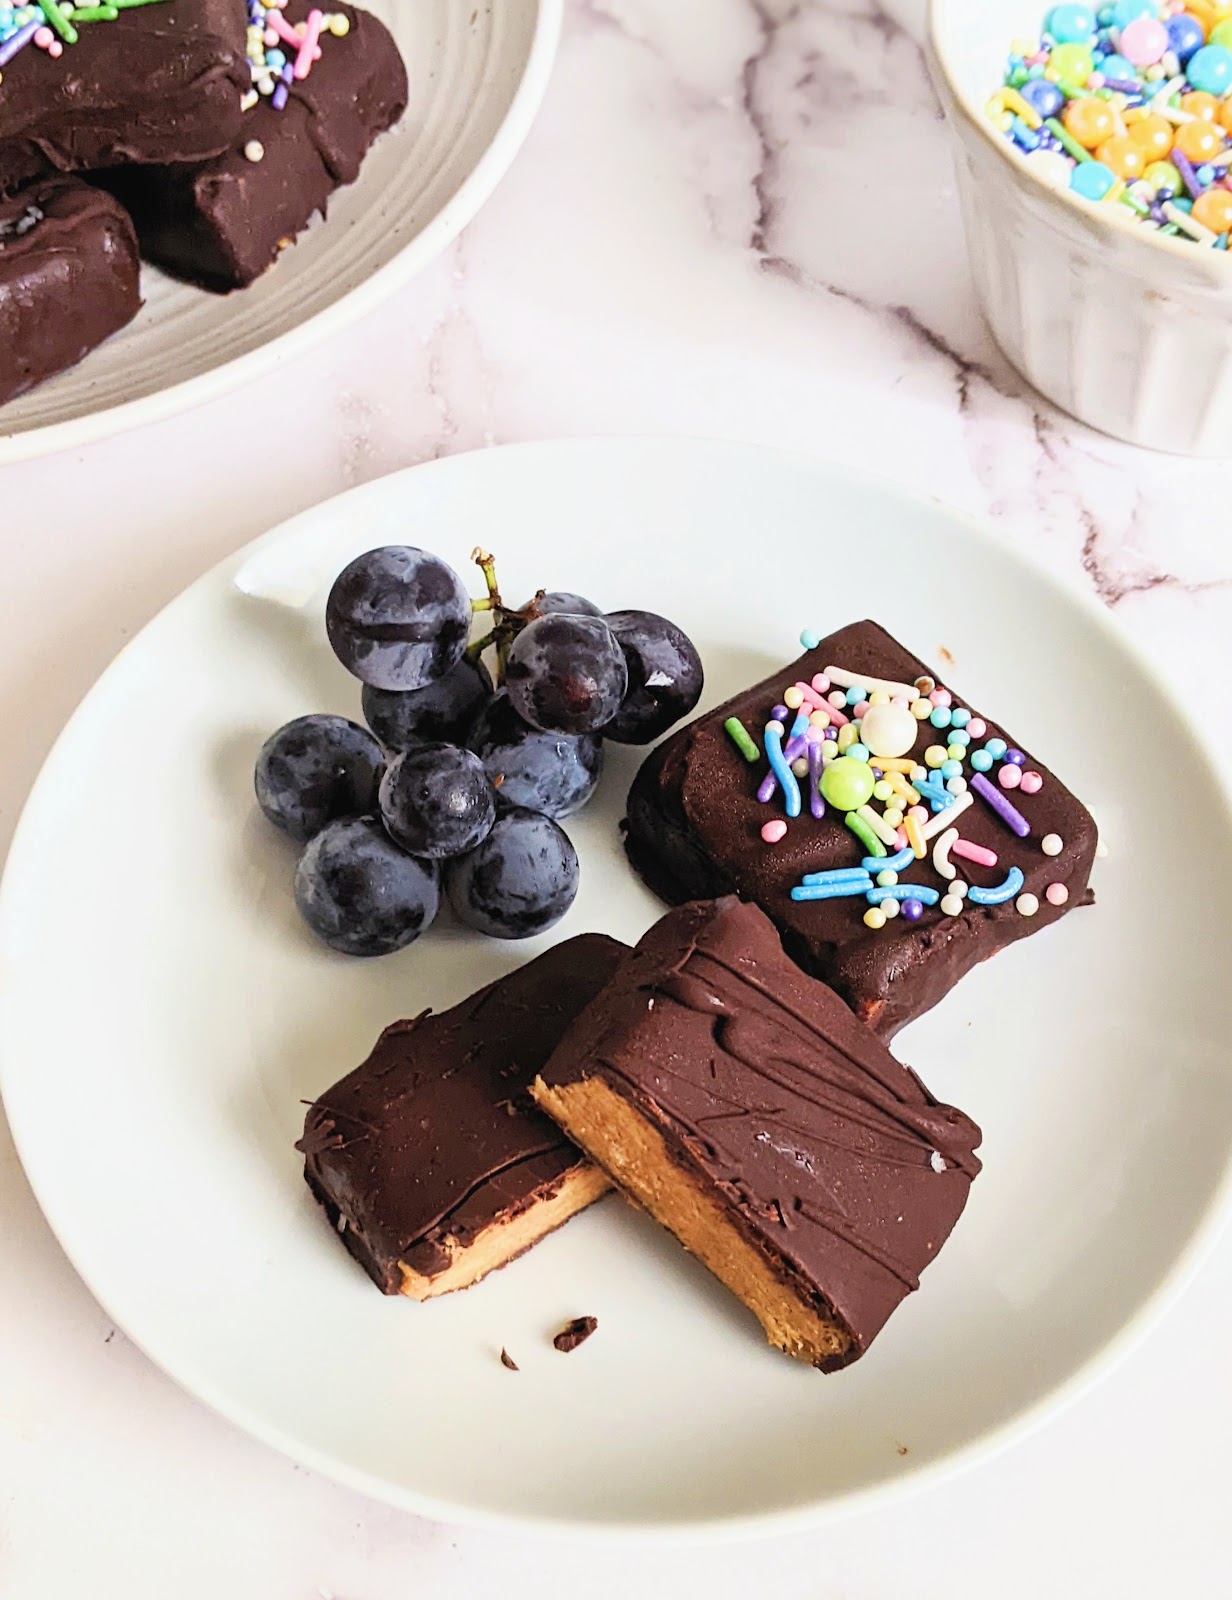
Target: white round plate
[
  {"x": 164, "y": 1015},
  {"x": 478, "y": 72}
]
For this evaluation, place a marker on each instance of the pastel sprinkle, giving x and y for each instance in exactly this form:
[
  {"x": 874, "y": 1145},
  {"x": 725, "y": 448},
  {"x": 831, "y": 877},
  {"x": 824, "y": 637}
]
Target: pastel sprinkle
[
  {"x": 1052, "y": 844},
  {"x": 946, "y": 817},
  {"x": 786, "y": 777},
  {"x": 861, "y": 681},
  {"x": 739, "y": 736},
  {"x": 829, "y": 891},
  {"x": 864, "y": 834},
  {"x": 1006, "y": 890},
  {"x": 978, "y": 853},
  {"x": 1012, "y": 817},
  {"x": 816, "y": 762},
  {"x": 1031, "y": 783},
  {"x": 841, "y": 875},
  {"x": 877, "y": 824},
  {"x": 904, "y": 891},
  {"x": 1026, "y": 905},
  {"x": 915, "y": 836},
  {"x": 941, "y": 854},
  {"x": 774, "y": 830},
  {"x": 874, "y": 918},
  {"x": 810, "y": 639},
  {"x": 1056, "y": 894},
  {"x": 894, "y": 863}
]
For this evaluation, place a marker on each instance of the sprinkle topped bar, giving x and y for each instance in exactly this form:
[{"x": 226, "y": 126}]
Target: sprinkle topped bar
[
  {"x": 135, "y": 81},
  {"x": 893, "y": 834}
]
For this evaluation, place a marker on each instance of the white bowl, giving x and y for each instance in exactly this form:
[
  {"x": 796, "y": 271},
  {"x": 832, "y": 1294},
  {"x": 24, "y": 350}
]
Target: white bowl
[{"x": 1128, "y": 331}]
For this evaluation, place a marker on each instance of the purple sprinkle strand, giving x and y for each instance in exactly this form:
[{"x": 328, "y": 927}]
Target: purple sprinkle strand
[
  {"x": 19, "y": 40},
  {"x": 988, "y": 792},
  {"x": 1185, "y": 167},
  {"x": 816, "y": 804}
]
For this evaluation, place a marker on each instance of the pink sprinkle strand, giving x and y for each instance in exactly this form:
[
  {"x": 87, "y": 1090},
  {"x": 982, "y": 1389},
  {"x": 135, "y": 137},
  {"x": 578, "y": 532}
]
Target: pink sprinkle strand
[
  {"x": 810, "y": 695},
  {"x": 308, "y": 52},
  {"x": 974, "y": 852},
  {"x": 773, "y": 831}
]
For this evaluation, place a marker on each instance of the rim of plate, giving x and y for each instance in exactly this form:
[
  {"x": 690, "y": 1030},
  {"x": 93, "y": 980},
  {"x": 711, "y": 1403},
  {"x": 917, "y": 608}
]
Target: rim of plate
[
  {"x": 913, "y": 1480},
  {"x": 461, "y": 209}
]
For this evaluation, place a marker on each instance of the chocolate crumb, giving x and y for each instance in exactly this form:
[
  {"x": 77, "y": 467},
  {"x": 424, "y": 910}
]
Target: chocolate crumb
[
  {"x": 575, "y": 1333},
  {"x": 508, "y": 1361},
  {"x": 946, "y": 655},
  {"x": 902, "y": 1449}
]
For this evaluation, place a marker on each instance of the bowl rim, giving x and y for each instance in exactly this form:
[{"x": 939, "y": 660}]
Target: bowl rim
[{"x": 944, "y": 75}]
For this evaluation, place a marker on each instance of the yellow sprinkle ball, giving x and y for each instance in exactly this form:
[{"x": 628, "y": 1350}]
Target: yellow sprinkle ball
[
  {"x": 793, "y": 699},
  {"x": 1091, "y": 122},
  {"x": 1200, "y": 104},
  {"x": 882, "y": 791},
  {"x": 879, "y": 698},
  {"x": 935, "y": 755},
  {"x": 956, "y": 752},
  {"x": 893, "y": 817},
  {"x": 1125, "y": 158},
  {"x": 1152, "y": 135},
  {"x": 339, "y": 25},
  {"x": 1213, "y": 210},
  {"x": 874, "y": 917},
  {"x": 1198, "y": 141},
  {"x": 921, "y": 710}
]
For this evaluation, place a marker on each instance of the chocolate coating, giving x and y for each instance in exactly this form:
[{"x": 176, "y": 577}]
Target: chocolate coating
[
  {"x": 435, "y": 1136},
  {"x": 160, "y": 83},
  {"x": 222, "y": 222},
  {"x": 69, "y": 277},
  {"x": 822, "y": 1149},
  {"x": 693, "y": 832}
]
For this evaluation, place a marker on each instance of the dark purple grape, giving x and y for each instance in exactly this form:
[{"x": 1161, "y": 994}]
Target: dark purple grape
[
  {"x": 360, "y": 893},
  {"x": 665, "y": 676},
  {"x": 521, "y": 879},
  {"x": 436, "y": 801},
  {"x": 398, "y": 617},
  {"x": 554, "y": 773},
  {"x": 441, "y": 710},
  {"x": 314, "y": 771},
  {"x": 566, "y": 674},
  {"x": 557, "y": 602}
]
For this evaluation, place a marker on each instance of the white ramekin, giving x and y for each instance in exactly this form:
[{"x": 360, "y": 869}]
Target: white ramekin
[{"x": 1129, "y": 331}]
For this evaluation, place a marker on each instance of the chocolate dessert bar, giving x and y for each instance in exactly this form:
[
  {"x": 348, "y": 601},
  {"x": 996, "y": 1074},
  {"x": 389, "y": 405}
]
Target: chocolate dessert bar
[
  {"x": 750, "y": 1112},
  {"x": 69, "y": 278},
  {"x": 982, "y": 844},
  {"x": 430, "y": 1158},
  {"x": 222, "y": 222},
  {"x": 159, "y": 82}
]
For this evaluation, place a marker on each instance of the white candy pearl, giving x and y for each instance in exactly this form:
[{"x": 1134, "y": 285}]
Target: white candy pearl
[
  {"x": 1026, "y": 905},
  {"x": 951, "y": 905},
  {"x": 1051, "y": 844},
  {"x": 888, "y": 730}
]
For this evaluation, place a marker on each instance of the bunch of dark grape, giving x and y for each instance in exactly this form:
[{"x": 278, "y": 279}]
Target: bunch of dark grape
[{"x": 463, "y": 780}]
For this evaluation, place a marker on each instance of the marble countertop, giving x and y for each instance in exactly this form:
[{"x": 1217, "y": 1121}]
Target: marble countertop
[{"x": 736, "y": 218}]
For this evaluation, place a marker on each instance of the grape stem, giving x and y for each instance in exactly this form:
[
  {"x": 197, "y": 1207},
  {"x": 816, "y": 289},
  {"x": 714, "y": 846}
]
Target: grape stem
[{"x": 508, "y": 623}]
